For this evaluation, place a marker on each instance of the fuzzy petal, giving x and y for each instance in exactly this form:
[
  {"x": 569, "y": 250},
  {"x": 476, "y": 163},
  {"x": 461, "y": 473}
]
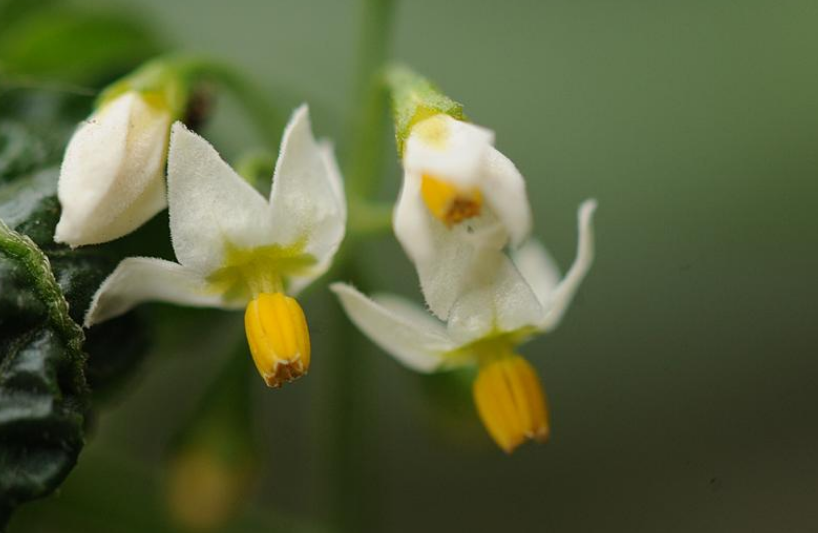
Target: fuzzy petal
[
  {"x": 397, "y": 328},
  {"x": 538, "y": 268},
  {"x": 444, "y": 257},
  {"x": 141, "y": 279},
  {"x": 211, "y": 207},
  {"x": 498, "y": 301},
  {"x": 556, "y": 305},
  {"x": 448, "y": 149},
  {"x": 112, "y": 176},
  {"x": 504, "y": 191},
  {"x": 307, "y": 198}
]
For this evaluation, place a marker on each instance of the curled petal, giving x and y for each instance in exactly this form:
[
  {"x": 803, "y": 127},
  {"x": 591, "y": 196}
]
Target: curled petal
[
  {"x": 557, "y": 302},
  {"x": 448, "y": 149},
  {"x": 505, "y": 194},
  {"x": 498, "y": 300},
  {"x": 141, "y": 279},
  {"x": 398, "y": 327},
  {"x": 538, "y": 268},
  {"x": 444, "y": 257}
]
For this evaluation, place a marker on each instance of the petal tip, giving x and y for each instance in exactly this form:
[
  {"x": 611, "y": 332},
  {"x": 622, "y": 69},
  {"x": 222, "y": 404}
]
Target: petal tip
[
  {"x": 340, "y": 288},
  {"x": 588, "y": 207}
]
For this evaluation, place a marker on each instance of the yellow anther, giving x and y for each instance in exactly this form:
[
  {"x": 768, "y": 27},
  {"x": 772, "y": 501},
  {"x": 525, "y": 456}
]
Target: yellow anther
[
  {"x": 511, "y": 403},
  {"x": 278, "y": 337},
  {"x": 448, "y": 203}
]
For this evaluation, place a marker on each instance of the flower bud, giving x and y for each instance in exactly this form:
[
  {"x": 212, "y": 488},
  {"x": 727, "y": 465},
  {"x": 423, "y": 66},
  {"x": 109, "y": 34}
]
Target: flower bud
[
  {"x": 511, "y": 403},
  {"x": 278, "y": 337},
  {"x": 112, "y": 176}
]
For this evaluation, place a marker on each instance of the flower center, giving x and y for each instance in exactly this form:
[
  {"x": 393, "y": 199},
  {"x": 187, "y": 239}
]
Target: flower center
[
  {"x": 249, "y": 272},
  {"x": 278, "y": 337},
  {"x": 448, "y": 203},
  {"x": 510, "y": 401}
]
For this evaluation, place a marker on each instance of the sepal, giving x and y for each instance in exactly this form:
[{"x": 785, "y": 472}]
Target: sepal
[{"x": 414, "y": 98}]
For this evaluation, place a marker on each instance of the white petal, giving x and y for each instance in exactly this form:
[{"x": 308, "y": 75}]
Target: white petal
[
  {"x": 443, "y": 257},
  {"x": 561, "y": 297},
  {"x": 448, "y": 149},
  {"x": 498, "y": 301},
  {"x": 397, "y": 329},
  {"x": 307, "y": 198},
  {"x": 538, "y": 268},
  {"x": 141, "y": 279},
  {"x": 411, "y": 313},
  {"x": 112, "y": 175},
  {"x": 211, "y": 206},
  {"x": 504, "y": 191}
]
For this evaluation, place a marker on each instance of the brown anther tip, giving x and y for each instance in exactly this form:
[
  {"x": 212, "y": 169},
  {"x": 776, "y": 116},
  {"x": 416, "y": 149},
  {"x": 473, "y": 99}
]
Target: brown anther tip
[
  {"x": 542, "y": 436},
  {"x": 285, "y": 372},
  {"x": 460, "y": 210}
]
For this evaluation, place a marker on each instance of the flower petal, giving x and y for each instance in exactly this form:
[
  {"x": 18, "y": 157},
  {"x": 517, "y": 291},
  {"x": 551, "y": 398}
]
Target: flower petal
[
  {"x": 504, "y": 191},
  {"x": 538, "y": 268},
  {"x": 498, "y": 300},
  {"x": 141, "y": 279},
  {"x": 307, "y": 198},
  {"x": 397, "y": 328},
  {"x": 211, "y": 206},
  {"x": 556, "y": 305},
  {"x": 448, "y": 149},
  {"x": 444, "y": 257},
  {"x": 112, "y": 175}
]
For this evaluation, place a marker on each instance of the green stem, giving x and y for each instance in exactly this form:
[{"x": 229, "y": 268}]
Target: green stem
[
  {"x": 352, "y": 456},
  {"x": 352, "y": 451},
  {"x": 371, "y": 103}
]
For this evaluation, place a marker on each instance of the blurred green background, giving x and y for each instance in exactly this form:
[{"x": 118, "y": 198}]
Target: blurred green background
[{"x": 682, "y": 383}]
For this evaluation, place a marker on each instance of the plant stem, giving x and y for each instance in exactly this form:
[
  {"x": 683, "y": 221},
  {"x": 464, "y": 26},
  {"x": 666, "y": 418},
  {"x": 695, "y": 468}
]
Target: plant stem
[
  {"x": 352, "y": 452},
  {"x": 370, "y": 105}
]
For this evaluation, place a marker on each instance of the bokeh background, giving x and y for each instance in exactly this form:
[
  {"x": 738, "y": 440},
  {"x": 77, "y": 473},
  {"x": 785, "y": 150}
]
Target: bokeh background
[{"x": 682, "y": 383}]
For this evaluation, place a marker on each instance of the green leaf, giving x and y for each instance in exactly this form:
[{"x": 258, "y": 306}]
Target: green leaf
[
  {"x": 20, "y": 150},
  {"x": 45, "y": 360},
  {"x": 13, "y": 10},
  {"x": 71, "y": 46},
  {"x": 43, "y": 392}
]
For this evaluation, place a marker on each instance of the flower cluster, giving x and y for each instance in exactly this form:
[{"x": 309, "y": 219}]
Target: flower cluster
[{"x": 463, "y": 219}]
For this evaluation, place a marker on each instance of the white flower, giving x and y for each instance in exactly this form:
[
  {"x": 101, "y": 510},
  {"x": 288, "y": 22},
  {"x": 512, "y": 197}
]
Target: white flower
[
  {"x": 510, "y": 303},
  {"x": 235, "y": 248},
  {"x": 460, "y": 196},
  {"x": 112, "y": 175}
]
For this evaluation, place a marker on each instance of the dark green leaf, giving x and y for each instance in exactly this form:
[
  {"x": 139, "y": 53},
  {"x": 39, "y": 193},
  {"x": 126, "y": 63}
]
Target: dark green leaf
[
  {"x": 43, "y": 393},
  {"x": 45, "y": 289}
]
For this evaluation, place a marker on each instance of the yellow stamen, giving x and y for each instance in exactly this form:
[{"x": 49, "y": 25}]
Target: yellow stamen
[
  {"x": 278, "y": 337},
  {"x": 511, "y": 403},
  {"x": 448, "y": 203}
]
